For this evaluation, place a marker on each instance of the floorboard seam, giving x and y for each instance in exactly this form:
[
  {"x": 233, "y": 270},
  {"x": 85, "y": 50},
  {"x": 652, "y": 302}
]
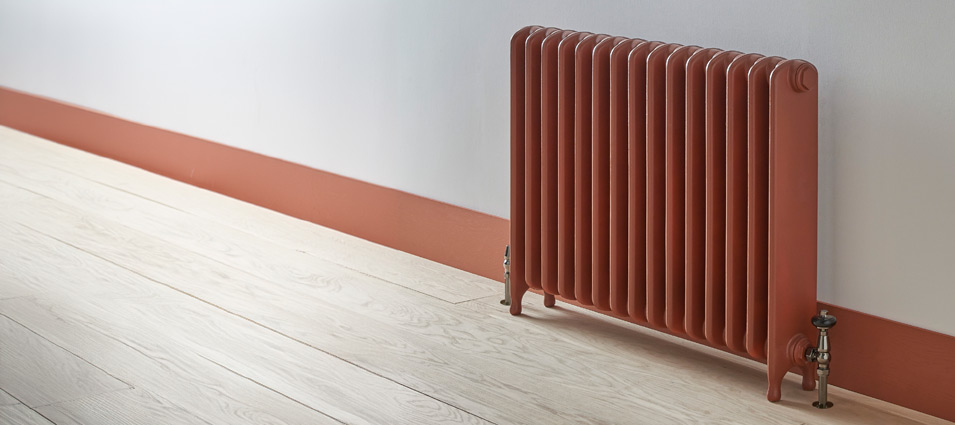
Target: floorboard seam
[
  {"x": 54, "y": 405},
  {"x": 8, "y": 183},
  {"x": 127, "y": 384},
  {"x": 110, "y": 186},
  {"x": 270, "y": 388},
  {"x": 40, "y": 414},
  {"x": 478, "y": 299}
]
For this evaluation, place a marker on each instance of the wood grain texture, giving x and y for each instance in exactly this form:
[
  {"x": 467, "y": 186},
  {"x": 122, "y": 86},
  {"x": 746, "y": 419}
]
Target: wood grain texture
[
  {"x": 38, "y": 372},
  {"x": 18, "y": 414},
  {"x": 135, "y": 406},
  {"x": 311, "y": 313},
  {"x": 186, "y": 381},
  {"x": 12, "y": 289},
  {"x": 7, "y": 399},
  {"x": 211, "y": 322},
  {"x": 407, "y": 270},
  {"x": 137, "y": 311}
]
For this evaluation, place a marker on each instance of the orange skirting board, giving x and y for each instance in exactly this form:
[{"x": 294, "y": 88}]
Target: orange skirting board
[{"x": 867, "y": 357}]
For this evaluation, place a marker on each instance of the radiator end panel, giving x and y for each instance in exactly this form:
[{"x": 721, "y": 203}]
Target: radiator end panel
[{"x": 793, "y": 185}]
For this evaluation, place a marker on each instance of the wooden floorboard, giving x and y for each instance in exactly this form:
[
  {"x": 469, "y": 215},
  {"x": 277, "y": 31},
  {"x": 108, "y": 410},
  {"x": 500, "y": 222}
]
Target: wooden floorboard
[
  {"x": 346, "y": 332},
  {"x": 603, "y": 377},
  {"x": 6, "y": 399},
  {"x": 37, "y": 372},
  {"x": 407, "y": 270},
  {"x": 134, "y": 406},
  {"x": 13, "y": 289},
  {"x": 18, "y": 414},
  {"x": 169, "y": 324},
  {"x": 186, "y": 381},
  {"x": 217, "y": 311}
]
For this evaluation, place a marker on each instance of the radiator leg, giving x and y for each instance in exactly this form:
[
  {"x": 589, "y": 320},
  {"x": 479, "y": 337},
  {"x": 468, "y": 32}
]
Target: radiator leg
[
  {"x": 518, "y": 289},
  {"x": 808, "y": 377},
  {"x": 777, "y": 369},
  {"x": 775, "y": 390},
  {"x": 549, "y": 300},
  {"x": 513, "y": 290}
]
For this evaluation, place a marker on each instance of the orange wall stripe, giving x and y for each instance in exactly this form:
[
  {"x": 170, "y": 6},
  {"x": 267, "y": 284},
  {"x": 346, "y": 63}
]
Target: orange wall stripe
[{"x": 891, "y": 361}]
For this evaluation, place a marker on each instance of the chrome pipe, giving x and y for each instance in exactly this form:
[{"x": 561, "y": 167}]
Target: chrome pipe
[{"x": 507, "y": 276}]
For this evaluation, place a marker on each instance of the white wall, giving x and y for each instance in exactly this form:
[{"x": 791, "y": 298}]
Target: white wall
[{"x": 414, "y": 95}]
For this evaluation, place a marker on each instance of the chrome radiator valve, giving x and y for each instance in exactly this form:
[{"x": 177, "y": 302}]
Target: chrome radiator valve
[{"x": 820, "y": 354}]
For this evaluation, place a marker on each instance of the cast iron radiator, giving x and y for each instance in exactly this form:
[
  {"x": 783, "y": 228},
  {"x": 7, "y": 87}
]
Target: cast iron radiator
[{"x": 672, "y": 186}]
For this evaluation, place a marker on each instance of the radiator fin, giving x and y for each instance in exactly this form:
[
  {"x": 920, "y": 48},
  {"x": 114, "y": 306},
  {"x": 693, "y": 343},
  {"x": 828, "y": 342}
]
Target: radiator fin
[
  {"x": 532, "y": 155},
  {"x": 600, "y": 167},
  {"x": 736, "y": 146},
  {"x": 715, "y": 262},
  {"x": 619, "y": 170},
  {"x": 656, "y": 183},
  {"x": 695, "y": 192},
  {"x": 637, "y": 242},
  {"x": 566, "y": 190},
  {"x": 583, "y": 168},
  {"x": 549, "y": 154}
]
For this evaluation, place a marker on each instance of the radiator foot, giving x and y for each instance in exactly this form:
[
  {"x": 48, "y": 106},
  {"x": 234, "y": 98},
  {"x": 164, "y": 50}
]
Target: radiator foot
[
  {"x": 513, "y": 291},
  {"x": 549, "y": 300},
  {"x": 775, "y": 392},
  {"x": 808, "y": 377},
  {"x": 516, "y": 297}
]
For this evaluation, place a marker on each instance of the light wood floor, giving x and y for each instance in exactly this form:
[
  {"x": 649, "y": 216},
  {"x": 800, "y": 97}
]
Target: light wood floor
[{"x": 126, "y": 297}]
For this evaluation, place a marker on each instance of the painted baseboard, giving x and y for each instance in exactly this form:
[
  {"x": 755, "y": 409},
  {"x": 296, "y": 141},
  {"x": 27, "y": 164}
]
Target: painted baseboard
[{"x": 891, "y": 361}]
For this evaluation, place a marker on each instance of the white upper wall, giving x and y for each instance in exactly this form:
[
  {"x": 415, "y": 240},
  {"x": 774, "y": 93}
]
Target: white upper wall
[{"x": 413, "y": 95}]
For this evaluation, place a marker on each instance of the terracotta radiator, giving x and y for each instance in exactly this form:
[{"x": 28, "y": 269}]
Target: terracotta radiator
[{"x": 672, "y": 186}]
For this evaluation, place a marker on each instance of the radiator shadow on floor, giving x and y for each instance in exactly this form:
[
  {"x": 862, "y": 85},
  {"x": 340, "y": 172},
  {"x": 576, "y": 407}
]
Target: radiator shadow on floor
[{"x": 634, "y": 345}]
